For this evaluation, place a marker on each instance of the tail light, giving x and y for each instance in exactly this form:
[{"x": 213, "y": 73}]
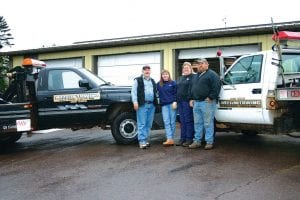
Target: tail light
[{"x": 271, "y": 102}]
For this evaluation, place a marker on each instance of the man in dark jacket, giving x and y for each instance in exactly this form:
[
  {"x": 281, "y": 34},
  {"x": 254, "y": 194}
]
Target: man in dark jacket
[{"x": 204, "y": 92}]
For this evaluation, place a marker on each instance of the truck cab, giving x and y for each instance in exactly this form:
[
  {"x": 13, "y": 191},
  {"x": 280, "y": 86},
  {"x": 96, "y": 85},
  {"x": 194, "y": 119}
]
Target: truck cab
[
  {"x": 261, "y": 92},
  {"x": 69, "y": 97}
]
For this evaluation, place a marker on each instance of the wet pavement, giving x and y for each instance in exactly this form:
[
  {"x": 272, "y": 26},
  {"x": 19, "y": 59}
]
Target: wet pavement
[{"x": 87, "y": 164}]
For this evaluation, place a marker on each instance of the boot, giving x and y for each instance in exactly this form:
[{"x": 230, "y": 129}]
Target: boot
[
  {"x": 209, "y": 146},
  {"x": 187, "y": 143},
  {"x": 169, "y": 142},
  {"x": 179, "y": 142}
]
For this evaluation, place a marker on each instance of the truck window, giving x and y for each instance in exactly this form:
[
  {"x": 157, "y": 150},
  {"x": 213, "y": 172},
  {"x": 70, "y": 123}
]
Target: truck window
[
  {"x": 291, "y": 63},
  {"x": 63, "y": 79},
  {"x": 246, "y": 70}
]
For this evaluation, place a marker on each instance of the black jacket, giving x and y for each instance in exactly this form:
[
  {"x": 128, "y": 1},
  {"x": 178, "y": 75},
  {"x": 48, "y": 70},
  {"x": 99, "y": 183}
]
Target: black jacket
[
  {"x": 205, "y": 84},
  {"x": 183, "y": 85}
]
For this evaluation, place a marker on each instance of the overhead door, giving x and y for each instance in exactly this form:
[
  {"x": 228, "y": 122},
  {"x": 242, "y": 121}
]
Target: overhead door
[
  {"x": 65, "y": 62},
  {"x": 210, "y": 54},
  {"x": 122, "y": 69},
  {"x": 212, "y": 51}
]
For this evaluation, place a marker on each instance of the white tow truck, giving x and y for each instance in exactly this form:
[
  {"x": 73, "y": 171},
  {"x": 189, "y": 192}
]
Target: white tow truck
[{"x": 261, "y": 91}]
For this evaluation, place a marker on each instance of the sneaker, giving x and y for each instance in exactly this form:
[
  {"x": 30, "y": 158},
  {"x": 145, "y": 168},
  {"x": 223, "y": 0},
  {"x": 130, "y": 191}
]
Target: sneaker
[
  {"x": 168, "y": 143},
  {"x": 187, "y": 143},
  {"x": 143, "y": 146},
  {"x": 195, "y": 145},
  {"x": 209, "y": 146}
]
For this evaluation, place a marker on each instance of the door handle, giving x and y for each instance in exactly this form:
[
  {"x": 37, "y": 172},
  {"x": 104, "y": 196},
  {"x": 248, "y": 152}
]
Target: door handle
[
  {"x": 256, "y": 91},
  {"x": 229, "y": 87}
]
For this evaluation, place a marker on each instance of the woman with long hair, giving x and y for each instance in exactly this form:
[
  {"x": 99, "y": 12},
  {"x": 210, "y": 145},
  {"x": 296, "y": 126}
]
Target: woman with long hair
[{"x": 167, "y": 90}]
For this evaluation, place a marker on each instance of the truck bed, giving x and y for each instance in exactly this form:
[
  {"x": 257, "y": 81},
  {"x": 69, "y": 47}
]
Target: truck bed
[{"x": 14, "y": 117}]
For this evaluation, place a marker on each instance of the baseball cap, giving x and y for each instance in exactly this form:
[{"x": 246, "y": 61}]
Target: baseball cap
[
  {"x": 146, "y": 67},
  {"x": 201, "y": 60}
]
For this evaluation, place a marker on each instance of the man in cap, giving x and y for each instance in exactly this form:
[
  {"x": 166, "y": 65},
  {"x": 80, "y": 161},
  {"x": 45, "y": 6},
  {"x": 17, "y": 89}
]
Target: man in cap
[
  {"x": 204, "y": 92},
  {"x": 144, "y": 99}
]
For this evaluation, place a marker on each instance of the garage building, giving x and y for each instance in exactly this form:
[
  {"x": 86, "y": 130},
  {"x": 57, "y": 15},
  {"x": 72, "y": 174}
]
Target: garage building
[{"x": 119, "y": 60}]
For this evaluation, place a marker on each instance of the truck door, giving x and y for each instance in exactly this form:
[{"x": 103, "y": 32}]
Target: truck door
[
  {"x": 63, "y": 103},
  {"x": 241, "y": 93}
]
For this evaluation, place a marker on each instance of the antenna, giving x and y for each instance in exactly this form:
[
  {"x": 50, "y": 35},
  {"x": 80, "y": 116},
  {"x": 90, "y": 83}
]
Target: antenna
[{"x": 225, "y": 21}]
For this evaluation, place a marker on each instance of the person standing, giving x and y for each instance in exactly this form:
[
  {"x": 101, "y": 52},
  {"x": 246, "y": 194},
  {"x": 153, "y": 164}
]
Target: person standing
[
  {"x": 143, "y": 94},
  {"x": 184, "y": 109},
  {"x": 204, "y": 92},
  {"x": 167, "y": 90}
]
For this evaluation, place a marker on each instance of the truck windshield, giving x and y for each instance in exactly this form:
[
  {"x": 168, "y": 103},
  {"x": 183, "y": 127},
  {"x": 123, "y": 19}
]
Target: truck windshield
[
  {"x": 291, "y": 63},
  {"x": 97, "y": 80}
]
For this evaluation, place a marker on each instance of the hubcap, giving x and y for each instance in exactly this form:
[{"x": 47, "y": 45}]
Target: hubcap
[{"x": 128, "y": 128}]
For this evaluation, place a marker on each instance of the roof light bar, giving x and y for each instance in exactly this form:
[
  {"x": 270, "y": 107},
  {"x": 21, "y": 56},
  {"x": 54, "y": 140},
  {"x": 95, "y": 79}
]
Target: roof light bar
[
  {"x": 286, "y": 35},
  {"x": 29, "y": 62}
]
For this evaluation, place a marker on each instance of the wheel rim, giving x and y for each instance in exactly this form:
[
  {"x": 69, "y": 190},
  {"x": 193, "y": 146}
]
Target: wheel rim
[{"x": 128, "y": 128}]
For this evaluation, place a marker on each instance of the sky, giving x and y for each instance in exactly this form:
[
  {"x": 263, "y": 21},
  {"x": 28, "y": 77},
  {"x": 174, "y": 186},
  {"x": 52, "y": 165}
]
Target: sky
[{"x": 45, "y": 23}]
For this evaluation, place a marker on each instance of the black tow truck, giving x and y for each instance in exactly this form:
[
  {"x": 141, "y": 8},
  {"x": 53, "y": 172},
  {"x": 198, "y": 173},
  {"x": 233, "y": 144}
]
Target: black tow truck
[{"x": 44, "y": 98}]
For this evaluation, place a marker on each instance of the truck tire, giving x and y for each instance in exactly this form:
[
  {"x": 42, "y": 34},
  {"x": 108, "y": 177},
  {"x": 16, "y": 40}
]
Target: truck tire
[
  {"x": 10, "y": 139},
  {"x": 124, "y": 128}
]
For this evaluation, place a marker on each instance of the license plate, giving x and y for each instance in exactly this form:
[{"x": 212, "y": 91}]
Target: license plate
[
  {"x": 295, "y": 93},
  {"x": 283, "y": 94},
  {"x": 23, "y": 125}
]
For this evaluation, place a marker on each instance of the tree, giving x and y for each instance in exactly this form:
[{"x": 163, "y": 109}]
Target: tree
[
  {"x": 5, "y": 40},
  {"x": 4, "y": 62},
  {"x": 5, "y": 36}
]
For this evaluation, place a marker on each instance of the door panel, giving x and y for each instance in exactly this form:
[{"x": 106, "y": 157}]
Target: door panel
[
  {"x": 241, "y": 95},
  {"x": 64, "y": 103}
]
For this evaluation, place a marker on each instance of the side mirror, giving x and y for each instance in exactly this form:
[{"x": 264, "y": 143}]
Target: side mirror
[{"x": 84, "y": 83}]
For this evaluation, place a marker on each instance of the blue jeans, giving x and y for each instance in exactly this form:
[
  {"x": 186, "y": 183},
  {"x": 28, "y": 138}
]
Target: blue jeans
[
  {"x": 169, "y": 117},
  {"x": 204, "y": 113},
  {"x": 186, "y": 121},
  {"x": 144, "y": 115}
]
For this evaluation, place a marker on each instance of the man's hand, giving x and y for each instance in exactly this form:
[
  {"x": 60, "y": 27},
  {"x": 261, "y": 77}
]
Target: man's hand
[
  {"x": 191, "y": 103},
  {"x": 135, "y": 106},
  {"x": 174, "y": 105},
  {"x": 208, "y": 100}
]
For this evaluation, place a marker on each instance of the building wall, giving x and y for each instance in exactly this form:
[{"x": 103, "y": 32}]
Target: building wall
[
  {"x": 17, "y": 61},
  {"x": 167, "y": 48}
]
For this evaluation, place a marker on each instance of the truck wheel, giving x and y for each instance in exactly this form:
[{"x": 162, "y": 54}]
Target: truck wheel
[
  {"x": 10, "y": 139},
  {"x": 124, "y": 128}
]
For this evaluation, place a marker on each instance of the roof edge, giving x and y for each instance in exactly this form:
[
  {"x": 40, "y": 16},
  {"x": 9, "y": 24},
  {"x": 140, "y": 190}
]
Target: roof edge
[{"x": 164, "y": 37}]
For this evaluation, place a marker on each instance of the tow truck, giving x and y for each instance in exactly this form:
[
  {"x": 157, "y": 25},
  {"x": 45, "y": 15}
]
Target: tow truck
[
  {"x": 260, "y": 92},
  {"x": 41, "y": 98}
]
